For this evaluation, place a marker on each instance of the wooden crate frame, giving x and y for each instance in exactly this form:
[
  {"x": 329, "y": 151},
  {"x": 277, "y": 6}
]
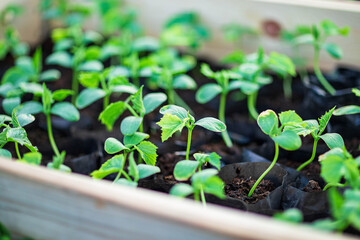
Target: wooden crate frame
[{"x": 47, "y": 204}]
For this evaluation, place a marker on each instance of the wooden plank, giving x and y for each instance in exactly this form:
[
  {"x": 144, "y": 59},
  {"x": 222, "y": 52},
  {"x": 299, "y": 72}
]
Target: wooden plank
[
  {"x": 46, "y": 204},
  {"x": 215, "y": 14}
]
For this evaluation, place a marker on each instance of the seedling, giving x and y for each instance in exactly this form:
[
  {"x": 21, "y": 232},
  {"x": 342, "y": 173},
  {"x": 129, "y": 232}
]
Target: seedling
[
  {"x": 184, "y": 30},
  {"x": 11, "y": 42},
  {"x": 13, "y": 131},
  {"x": 68, "y": 13},
  {"x": 168, "y": 72},
  {"x": 64, "y": 110},
  {"x": 285, "y": 138},
  {"x": 317, "y": 38},
  {"x": 72, "y": 51},
  {"x": 222, "y": 86},
  {"x": 187, "y": 168},
  {"x": 340, "y": 169},
  {"x": 351, "y": 109},
  {"x": 102, "y": 85},
  {"x": 176, "y": 118},
  {"x": 138, "y": 106},
  {"x": 316, "y": 129},
  {"x": 125, "y": 153}
]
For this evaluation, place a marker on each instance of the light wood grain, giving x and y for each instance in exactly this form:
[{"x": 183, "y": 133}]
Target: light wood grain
[{"x": 46, "y": 204}]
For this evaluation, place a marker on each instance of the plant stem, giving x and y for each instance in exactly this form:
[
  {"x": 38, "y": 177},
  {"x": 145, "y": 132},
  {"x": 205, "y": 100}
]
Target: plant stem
[
  {"x": 287, "y": 86},
  {"x": 106, "y": 101},
  {"x": 196, "y": 197},
  {"x": 190, "y": 129},
  {"x": 51, "y": 137},
  {"x": 171, "y": 96},
  {"x": 17, "y": 151},
  {"x": 118, "y": 176},
  {"x": 202, "y": 194},
  {"x": 334, "y": 185},
  {"x": 126, "y": 175},
  {"x": 75, "y": 85},
  {"x": 266, "y": 171},
  {"x": 224, "y": 134},
  {"x": 319, "y": 74},
  {"x": 312, "y": 156},
  {"x": 251, "y": 102}
]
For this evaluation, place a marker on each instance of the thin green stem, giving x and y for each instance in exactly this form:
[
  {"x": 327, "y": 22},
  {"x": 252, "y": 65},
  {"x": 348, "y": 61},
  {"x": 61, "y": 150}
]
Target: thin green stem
[
  {"x": 17, "y": 151},
  {"x": 51, "y": 137},
  {"x": 118, "y": 176},
  {"x": 224, "y": 134},
  {"x": 75, "y": 85},
  {"x": 251, "y": 102},
  {"x": 190, "y": 129},
  {"x": 266, "y": 171},
  {"x": 106, "y": 101},
  {"x": 202, "y": 193},
  {"x": 126, "y": 175},
  {"x": 319, "y": 74},
  {"x": 196, "y": 197},
  {"x": 287, "y": 86},
  {"x": 334, "y": 185},
  {"x": 312, "y": 156},
  {"x": 171, "y": 96}
]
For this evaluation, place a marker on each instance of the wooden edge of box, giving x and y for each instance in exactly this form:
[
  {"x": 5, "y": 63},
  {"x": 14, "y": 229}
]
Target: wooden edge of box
[{"x": 219, "y": 220}]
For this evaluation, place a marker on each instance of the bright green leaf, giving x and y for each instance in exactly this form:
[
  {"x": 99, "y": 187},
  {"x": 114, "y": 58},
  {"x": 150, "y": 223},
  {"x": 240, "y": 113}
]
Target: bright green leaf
[
  {"x": 207, "y": 92},
  {"x": 147, "y": 151},
  {"x": 130, "y": 125},
  {"x": 288, "y": 140},
  {"x": 112, "y": 146},
  {"x": 88, "y": 96},
  {"x": 169, "y": 125},
  {"x": 185, "y": 169},
  {"x": 66, "y": 111},
  {"x": 113, "y": 165},
  {"x": 181, "y": 190},
  {"x": 111, "y": 113},
  {"x": 153, "y": 100},
  {"x": 211, "y": 124}
]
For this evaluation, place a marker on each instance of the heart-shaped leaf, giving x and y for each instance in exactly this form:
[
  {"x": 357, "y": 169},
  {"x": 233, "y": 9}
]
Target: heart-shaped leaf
[
  {"x": 130, "y": 125},
  {"x": 112, "y": 146},
  {"x": 211, "y": 124}
]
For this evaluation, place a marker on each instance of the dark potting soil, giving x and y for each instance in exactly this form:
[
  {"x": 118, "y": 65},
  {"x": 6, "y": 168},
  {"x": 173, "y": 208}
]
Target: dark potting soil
[
  {"x": 240, "y": 187},
  {"x": 312, "y": 186}
]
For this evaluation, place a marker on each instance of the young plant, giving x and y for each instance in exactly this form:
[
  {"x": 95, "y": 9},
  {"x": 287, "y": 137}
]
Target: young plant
[
  {"x": 11, "y": 42},
  {"x": 316, "y": 129},
  {"x": 317, "y": 38},
  {"x": 222, "y": 86},
  {"x": 66, "y": 12},
  {"x": 351, "y": 109},
  {"x": 13, "y": 131},
  {"x": 176, "y": 118},
  {"x": 125, "y": 153},
  {"x": 340, "y": 169},
  {"x": 282, "y": 136},
  {"x": 101, "y": 85},
  {"x": 211, "y": 184},
  {"x": 72, "y": 51},
  {"x": 138, "y": 106},
  {"x": 184, "y": 30},
  {"x": 47, "y": 106},
  {"x": 169, "y": 73}
]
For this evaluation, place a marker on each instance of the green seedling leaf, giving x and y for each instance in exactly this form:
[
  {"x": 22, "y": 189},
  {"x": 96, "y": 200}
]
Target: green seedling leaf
[
  {"x": 124, "y": 89},
  {"x": 215, "y": 186},
  {"x": 147, "y": 151},
  {"x": 281, "y": 64},
  {"x": 169, "y": 125},
  {"x": 133, "y": 170},
  {"x": 62, "y": 59},
  {"x": 9, "y": 104},
  {"x": 135, "y": 139},
  {"x": 268, "y": 122},
  {"x": 201, "y": 177},
  {"x": 292, "y": 215},
  {"x": 89, "y": 96},
  {"x": 24, "y": 119},
  {"x": 333, "y": 140},
  {"x": 153, "y": 100},
  {"x": 137, "y": 101},
  {"x": 206, "y": 70},
  {"x": 112, "y": 146},
  {"x": 60, "y": 95},
  {"x": 66, "y": 111},
  {"x": 91, "y": 66},
  {"x": 184, "y": 81},
  {"x": 289, "y": 117},
  {"x": 18, "y": 135},
  {"x": 351, "y": 109},
  {"x": 211, "y": 124},
  {"x": 324, "y": 120},
  {"x": 334, "y": 50},
  {"x": 113, "y": 165},
  {"x": 30, "y": 108},
  {"x": 33, "y": 88},
  {"x": 175, "y": 110},
  {"x": 207, "y": 92},
  {"x": 130, "y": 125},
  {"x": 332, "y": 165},
  {"x": 185, "y": 169},
  {"x": 111, "y": 114},
  {"x": 126, "y": 182},
  {"x": 181, "y": 190},
  {"x": 147, "y": 170},
  {"x": 212, "y": 158},
  {"x": 356, "y": 92},
  {"x": 288, "y": 140},
  {"x": 89, "y": 79},
  {"x": 5, "y": 153},
  {"x": 50, "y": 75},
  {"x": 32, "y": 158}
]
